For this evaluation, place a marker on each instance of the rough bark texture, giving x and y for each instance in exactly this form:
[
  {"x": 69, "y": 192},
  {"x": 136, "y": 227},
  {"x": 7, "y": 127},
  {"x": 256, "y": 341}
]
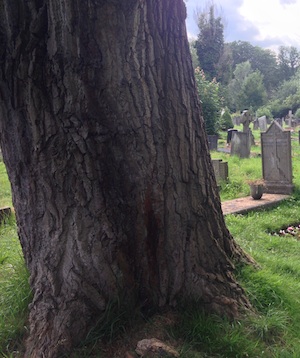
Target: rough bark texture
[{"x": 113, "y": 187}]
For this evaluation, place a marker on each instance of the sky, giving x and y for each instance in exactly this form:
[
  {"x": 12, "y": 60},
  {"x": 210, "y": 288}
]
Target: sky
[{"x": 264, "y": 23}]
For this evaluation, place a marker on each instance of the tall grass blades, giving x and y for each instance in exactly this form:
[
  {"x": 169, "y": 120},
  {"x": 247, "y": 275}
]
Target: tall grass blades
[{"x": 14, "y": 289}]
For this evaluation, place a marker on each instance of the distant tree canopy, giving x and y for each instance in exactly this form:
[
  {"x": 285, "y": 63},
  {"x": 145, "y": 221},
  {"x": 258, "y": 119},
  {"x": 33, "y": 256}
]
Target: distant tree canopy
[
  {"x": 260, "y": 59},
  {"x": 287, "y": 97},
  {"x": 246, "y": 89},
  {"x": 247, "y": 75},
  {"x": 289, "y": 62}
]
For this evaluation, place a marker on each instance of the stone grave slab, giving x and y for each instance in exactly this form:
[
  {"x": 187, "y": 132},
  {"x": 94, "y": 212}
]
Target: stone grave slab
[
  {"x": 241, "y": 144},
  {"x": 277, "y": 160}
]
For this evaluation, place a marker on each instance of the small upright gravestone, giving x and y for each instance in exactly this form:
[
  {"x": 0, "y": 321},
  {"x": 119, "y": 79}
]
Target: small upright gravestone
[
  {"x": 262, "y": 123},
  {"x": 289, "y": 119},
  {"x": 241, "y": 141},
  {"x": 213, "y": 141},
  {"x": 241, "y": 144},
  {"x": 220, "y": 170},
  {"x": 277, "y": 160}
]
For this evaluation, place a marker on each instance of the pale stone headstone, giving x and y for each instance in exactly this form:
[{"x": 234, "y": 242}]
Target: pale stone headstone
[
  {"x": 262, "y": 123},
  {"x": 277, "y": 160},
  {"x": 241, "y": 144},
  {"x": 220, "y": 170}
]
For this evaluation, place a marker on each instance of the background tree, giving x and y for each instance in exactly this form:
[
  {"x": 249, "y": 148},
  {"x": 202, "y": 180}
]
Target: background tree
[
  {"x": 226, "y": 120},
  {"x": 289, "y": 61},
  {"x": 235, "y": 86},
  {"x": 224, "y": 66},
  {"x": 246, "y": 89},
  {"x": 104, "y": 143},
  {"x": 260, "y": 59},
  {"x": 210, "y": 41},
  {"x": 194, "y": 55},
  {"x": 253, "y": 93},
  {"x": 287, "y": 97},
  {"x": 211, "y": 104}
]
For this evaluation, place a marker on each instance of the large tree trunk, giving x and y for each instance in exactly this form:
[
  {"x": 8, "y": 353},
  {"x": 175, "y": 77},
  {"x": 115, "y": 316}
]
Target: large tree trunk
[{"x": 113, "y": 188}]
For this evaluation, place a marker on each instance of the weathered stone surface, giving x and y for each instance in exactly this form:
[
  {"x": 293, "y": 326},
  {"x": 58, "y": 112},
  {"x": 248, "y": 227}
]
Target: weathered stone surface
[
  {"x": 262, "y": 123},
  {"x": 220, "y": 169},
  {"x": 277, "y": 160},
  {"x": 241, "y": 144}
]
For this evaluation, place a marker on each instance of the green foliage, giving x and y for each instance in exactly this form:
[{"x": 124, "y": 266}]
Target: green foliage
[
  {"x": 264, "y": 111},
  {"x": 297, "y": 114},
  {"x": 261, "y": 59},
  {"x": 289, "y": 61},
  {"x": 287, "y": 97},
  {"x": 225, "y": 120},
  {"x": 253, "y": 91},
  {"x": 210, "y": 42},
  {"x": 209, "y": 96},
  {"x": 246, "y": 89},
  {"x": 194, "y": 56}
]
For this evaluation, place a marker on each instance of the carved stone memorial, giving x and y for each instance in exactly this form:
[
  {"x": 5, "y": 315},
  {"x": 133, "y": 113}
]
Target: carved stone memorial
[{"x": 277, "y": 160}]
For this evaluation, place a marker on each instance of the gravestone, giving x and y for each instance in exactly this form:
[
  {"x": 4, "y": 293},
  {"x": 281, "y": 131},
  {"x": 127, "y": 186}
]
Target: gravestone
[
  {"x": 246, "y": 119},
  {"x": 213, "y": 141},
  {"x": 220, "y": 170},
  {"x": 262, "y": 123},
  {"x": 229, "y": 135},
  {"x": 241, "y": 144},
  {"x": 277, "y": 160},
  {"x": 255, "y": 124},
  {"x": 223, "y": 170},
  {"x": 289, "y": 119}
]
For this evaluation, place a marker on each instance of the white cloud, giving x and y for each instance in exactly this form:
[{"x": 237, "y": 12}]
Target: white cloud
[
  {"x": 273, "y": 19},
  {"x": 264, "y": 23}
]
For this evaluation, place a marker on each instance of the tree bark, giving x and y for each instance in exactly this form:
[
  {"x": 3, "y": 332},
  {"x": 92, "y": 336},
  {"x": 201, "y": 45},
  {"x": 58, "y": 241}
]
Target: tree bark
[{"x": 113, "y": 188}]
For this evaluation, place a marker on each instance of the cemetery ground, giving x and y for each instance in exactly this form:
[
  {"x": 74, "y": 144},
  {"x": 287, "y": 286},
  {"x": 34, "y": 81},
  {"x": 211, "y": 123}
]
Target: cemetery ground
[{"x": 272, "y": 330}]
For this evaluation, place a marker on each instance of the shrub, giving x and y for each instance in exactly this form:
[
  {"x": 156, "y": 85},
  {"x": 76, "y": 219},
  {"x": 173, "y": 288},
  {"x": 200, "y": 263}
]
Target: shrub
[
  {"x": 264, "y": 111},
  {"x": 226, "y": 120},
  {"x": 209, "y": 96}
]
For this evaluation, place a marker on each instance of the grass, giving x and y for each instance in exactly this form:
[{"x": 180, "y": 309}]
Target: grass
[
  {"x": 272, "y": 331},
  {"x": 14, "y": 288},
  {"x": 5, "y": 189}
]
